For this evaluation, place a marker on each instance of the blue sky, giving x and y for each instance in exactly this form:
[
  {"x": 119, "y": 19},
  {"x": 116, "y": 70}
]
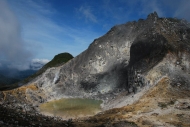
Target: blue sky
[{"x": 44, "y": 28}]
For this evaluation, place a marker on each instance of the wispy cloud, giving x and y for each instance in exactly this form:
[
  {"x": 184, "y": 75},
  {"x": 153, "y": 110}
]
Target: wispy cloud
[
  {"x": 183, "y": 9},
  {"x": 39, "y": 29},
  {"x": 86, "y": 11},
  {"x": 49, "y": 37},
  {"x": 122, "y": 11},
  {"x": 36, "y": 64},
  {"x": 171, "y": 8},
  {"x": 28, "y": 30},
  {"x": 151, "y": 6},
  {"x": 41, "y": 61},
  {"x": 12, "y": 47}
]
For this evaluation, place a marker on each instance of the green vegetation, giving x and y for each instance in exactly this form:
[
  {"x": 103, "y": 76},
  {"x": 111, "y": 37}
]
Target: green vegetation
[{"x": 58, "y": 60}]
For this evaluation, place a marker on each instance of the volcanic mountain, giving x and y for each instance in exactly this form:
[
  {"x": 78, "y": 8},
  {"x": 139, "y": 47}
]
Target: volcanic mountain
[{"x": 140, "y": 70}]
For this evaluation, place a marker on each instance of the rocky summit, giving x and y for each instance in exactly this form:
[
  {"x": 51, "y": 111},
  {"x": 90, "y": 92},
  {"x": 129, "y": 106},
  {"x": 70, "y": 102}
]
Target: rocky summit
[{"x": 140, "y": 70}]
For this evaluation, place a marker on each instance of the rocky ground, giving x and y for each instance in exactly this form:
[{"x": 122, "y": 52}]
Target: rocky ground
[
  {"x": 140, "y": 70},
  {"x": 161, "y": 106},
  {"x": 20, "y": 118}
]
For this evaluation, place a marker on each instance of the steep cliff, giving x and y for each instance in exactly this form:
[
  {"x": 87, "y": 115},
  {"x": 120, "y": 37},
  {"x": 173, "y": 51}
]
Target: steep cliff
[
  {"x": 121, "y": 66},
  {"x": 122, "y": 59}
]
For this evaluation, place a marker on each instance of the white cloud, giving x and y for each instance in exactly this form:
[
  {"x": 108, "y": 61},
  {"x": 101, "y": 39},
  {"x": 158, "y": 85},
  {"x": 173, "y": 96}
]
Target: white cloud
[
  {"x": 41, "y": 61},
  {"x": 12, "y": 47},
  {"x": 86, "y": 11},
  {"x": 18, "y": 66},
  {"x": 50, "y": 38},
  {"x": 36, "y": 64}
]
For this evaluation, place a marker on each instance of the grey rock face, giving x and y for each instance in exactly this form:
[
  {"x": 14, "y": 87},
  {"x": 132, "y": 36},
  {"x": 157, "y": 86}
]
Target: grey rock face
[{"x": 127, "y": 58}]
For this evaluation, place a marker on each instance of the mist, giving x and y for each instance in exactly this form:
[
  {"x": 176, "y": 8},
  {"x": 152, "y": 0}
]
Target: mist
[{"x": 13, "y": 50}]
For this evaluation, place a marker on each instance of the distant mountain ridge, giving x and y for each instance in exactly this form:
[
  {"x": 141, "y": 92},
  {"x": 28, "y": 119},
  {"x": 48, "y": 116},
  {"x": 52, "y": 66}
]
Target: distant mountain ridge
[
  {"x": 5, "y": 82},
  {"x": 17, "y": 73},
  {"x": 110, "y": 62},
  {"x": 58, "y": 60},
  {"x": 12, "y": 76},
  {"x": 140, "y": 70},
  {"x": 37, "y": 64}
]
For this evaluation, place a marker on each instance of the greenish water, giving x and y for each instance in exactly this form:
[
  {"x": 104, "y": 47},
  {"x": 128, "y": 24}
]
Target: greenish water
[{"x": 71, "y": 107}]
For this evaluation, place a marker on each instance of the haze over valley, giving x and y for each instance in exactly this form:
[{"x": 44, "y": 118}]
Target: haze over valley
[{"x": 94, "y": 63}]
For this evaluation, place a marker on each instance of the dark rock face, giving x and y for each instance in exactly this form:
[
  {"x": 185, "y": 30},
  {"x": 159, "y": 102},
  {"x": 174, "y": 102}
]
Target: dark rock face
[
  {"x": 127, "y": 58},
  {"x": 146, "y": 61},
  {"x": 106, "y": 65},
  {"x": 154, "y": 48}
]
